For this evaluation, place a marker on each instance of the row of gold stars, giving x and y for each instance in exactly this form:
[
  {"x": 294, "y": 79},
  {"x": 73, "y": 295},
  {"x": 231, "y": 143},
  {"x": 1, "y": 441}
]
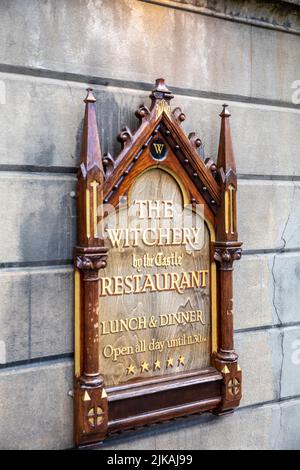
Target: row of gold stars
[{"x": 145, "y": 367}]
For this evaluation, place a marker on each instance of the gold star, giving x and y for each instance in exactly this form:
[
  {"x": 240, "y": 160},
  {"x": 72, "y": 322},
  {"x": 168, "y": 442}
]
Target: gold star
[
  {"x": 170, "y": 362},
  {"x": 181, "y": 361},
  {"x": 157, "y": 364},
  {"x": 130, "y": 369},
  {"x": 145, "y": 367}
]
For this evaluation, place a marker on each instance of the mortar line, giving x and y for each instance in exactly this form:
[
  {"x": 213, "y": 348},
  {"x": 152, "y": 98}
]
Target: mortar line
[{"x": 138, "y": 85}]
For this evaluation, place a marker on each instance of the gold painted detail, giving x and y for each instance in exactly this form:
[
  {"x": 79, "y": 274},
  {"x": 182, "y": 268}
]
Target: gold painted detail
[
  {"x": 181, "y": 361},
  {"x": 86, "y": 396},
  {"x": 94, "y": 185},
  {"x": 158, "y": 148},
  {"x": 145, "y": 366},
  {"x": 87, "y": 212},
  {"x": 161, "y": 107},
  {"x": 214, "y": 321},
  {"x": 77, "y": 322},
  {"x": 170, "y": 362},
  {"x": 233, "y": 386},
  {"x": 103, "y": 394},
  {"x": 231, "y": 191},
  {"x": 239, "y": 368},
  {"x": 227, "y": 209},
  {"x": 95, "y": 416},
  {"x": 225, "y": 370},
  {"x": 130, "y": 369}
]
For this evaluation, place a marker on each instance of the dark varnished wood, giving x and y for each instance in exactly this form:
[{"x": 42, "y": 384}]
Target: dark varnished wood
[{"x": 100, "y": 410}]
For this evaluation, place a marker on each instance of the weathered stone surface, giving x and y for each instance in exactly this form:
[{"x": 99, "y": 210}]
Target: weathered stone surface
[
  {"x": 35, "y": 409},
  {"x": 52, "y": 312},
  {"x": 36, "y": 316},
  {"x": 230, "y": 59},
  {"x": 286, "y": 281},
  {"x": 276, "y": 78},
  {"x": 290, "y": 376},
  {"x": 260, "y": 360},
  {"x": 269, "y": 214},
  {"x": 51, "y": 136},
  {"x": 288, "y": 437},
  {"x": 38, "y": 214},
  {"x": 265, "y": 12},
  {"x": 266, "y": 290},
  {"x": 40, "y": 121},
  {"x": 14, "y": 316},
  {"x": 253, "y": 292}
]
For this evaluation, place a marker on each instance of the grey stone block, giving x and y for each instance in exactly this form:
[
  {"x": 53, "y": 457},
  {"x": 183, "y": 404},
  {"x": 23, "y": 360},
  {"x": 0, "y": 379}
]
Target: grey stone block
[
  {"x": 290, "y": 375},
  {"x": 35, "y": 409},
  {"x": 286, "y": 281},
  {"x": 274, "y": 68},
  {"x": 36, "y": 315},
  {"x": 52, "y": 312},
  {"x": 51, "y": 136},
  {"x": 38, "y": 216},
  {"x": 260, "y": 359},
  {"x": 14, "y": 316},
  {"x": 253, "y": 292},
  {"x": 266, "y": 290},
  {"x": 269, "y": 214},
  {"x": 288, "y": 437}
]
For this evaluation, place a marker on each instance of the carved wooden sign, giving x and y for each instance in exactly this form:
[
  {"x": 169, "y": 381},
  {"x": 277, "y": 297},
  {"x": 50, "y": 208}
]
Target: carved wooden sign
[{"x": 157, "y": 238}]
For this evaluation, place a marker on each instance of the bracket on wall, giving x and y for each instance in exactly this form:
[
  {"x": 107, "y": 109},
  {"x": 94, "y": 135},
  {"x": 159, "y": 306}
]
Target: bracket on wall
[{"x": 105, "y": 400}]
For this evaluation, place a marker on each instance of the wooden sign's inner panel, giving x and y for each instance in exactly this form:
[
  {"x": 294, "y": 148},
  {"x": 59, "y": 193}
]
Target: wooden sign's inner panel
[{"x": 155, "y": 290}]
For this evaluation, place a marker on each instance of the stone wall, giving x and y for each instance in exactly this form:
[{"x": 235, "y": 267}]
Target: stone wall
[{"x": 208, "y": 52}]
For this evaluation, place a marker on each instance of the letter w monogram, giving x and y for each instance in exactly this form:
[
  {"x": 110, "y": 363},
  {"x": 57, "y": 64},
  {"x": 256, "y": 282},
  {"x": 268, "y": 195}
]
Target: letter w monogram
[{"x": 158, "y": 148}]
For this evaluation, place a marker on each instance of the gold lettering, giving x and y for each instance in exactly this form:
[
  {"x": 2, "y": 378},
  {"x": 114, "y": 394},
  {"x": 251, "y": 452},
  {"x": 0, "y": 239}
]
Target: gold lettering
[
  {"x": 139, "y": 283},
  {"x": 159, "y": 148}
]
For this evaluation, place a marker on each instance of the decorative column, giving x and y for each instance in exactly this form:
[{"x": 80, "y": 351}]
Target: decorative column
[
  {"x": 227, "y": 249},
  {"x": 90, "y": 257}
]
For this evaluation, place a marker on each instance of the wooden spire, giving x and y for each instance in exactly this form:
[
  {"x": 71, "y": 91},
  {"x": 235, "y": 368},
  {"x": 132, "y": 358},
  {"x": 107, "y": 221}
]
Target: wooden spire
[
  {"x": 228, "y": 181},
  {"x": 91, "y": 176},
  {"x": 226, "y": 162}
]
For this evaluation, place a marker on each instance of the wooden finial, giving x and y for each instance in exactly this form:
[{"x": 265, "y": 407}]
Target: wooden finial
[
  {"x": 225, "y": 112},
  {"x": 160, "y": 92}
]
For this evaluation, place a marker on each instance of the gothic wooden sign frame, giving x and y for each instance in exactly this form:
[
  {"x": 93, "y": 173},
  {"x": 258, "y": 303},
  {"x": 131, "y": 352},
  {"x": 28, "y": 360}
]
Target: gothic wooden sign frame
[{"x": 100, "y": 410}]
